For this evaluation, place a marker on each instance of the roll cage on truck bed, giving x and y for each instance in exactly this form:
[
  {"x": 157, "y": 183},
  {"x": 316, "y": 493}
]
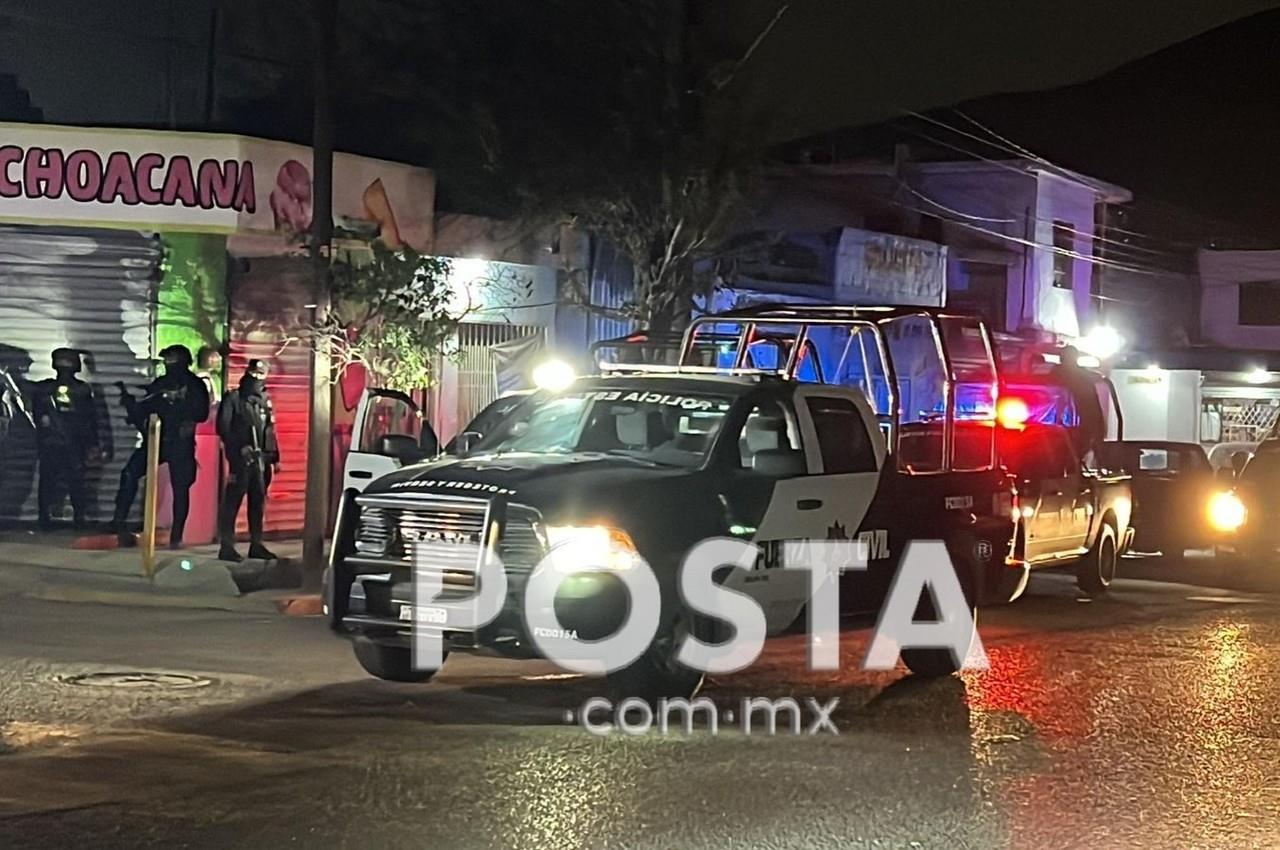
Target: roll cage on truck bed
[
  {"x": 924, "y": 378},
  {"x": 930, "y": 377}
]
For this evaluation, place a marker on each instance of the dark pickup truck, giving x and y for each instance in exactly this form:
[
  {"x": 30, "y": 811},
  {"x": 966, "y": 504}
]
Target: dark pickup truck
[
  {"x": 1173, "y": 488},
  {"x": 1067, "y": 512}
]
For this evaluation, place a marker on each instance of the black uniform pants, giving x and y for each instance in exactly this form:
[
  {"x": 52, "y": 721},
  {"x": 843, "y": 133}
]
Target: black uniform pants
[
  {"x": 182, "y": 474},
  {"x": 61, "y": 471},
  {"x": 251, "y": 480}
]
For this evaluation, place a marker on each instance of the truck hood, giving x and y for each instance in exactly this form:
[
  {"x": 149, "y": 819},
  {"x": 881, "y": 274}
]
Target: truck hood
[{"x": 568, "y": 486}]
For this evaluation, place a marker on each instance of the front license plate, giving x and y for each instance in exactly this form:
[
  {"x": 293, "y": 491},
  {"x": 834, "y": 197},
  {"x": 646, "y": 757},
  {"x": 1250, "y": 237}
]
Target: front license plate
[{"x": 425, "y": 614}]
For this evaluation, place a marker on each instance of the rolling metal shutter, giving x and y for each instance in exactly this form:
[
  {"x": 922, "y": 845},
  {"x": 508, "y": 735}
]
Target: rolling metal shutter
[
  {"x": 91, "y": 290},
  {"x": 268, "y": 314}
]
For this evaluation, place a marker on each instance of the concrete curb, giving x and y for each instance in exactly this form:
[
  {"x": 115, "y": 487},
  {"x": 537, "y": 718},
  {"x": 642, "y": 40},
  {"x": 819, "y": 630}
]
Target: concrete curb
[{"x": 203, "y": 586}]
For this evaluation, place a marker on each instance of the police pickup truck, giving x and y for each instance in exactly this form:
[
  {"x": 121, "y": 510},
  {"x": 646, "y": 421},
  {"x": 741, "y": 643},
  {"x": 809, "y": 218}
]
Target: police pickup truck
[
  {"x": 655, "y": 462},
  {"x": 1069, "y": 512}
]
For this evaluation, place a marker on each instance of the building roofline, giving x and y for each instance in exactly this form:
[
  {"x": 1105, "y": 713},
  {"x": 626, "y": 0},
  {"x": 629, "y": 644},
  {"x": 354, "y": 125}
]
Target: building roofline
[{"x": 1109, "y": 192}]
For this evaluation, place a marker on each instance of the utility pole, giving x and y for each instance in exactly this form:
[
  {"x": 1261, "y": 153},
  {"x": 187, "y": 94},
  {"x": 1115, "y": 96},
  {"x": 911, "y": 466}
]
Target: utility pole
[{"x": 319, "y": 425}]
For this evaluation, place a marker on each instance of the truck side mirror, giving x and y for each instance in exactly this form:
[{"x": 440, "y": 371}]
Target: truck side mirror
[{"x": 466, "y": 441}]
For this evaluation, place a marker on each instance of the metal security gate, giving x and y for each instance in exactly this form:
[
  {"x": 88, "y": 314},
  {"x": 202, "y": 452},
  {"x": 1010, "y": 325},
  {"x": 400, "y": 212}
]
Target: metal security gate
[
  {"x": 90, "y": 290},
  {"x": 478, "y": 366},
  {"x": 1243, "y": 419},
  {"x": 269, "y": 313}
]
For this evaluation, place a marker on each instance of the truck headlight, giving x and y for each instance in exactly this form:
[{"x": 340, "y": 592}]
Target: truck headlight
[
  {"x": 1226, "y": 512},
  {"x": 592, "y": 546}
]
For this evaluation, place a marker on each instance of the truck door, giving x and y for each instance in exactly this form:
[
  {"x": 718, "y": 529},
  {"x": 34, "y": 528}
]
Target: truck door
[
  {"x": 1042, "y": 495},
  {"x": 1078, "y": 485},
  {"x": 834, "y": 461},
  {"x": 389, "y": 432}
]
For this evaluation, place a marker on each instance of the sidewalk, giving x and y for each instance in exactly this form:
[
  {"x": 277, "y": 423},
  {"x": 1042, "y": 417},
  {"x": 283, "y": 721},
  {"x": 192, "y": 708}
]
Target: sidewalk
[{"x": 51, "y": 566}]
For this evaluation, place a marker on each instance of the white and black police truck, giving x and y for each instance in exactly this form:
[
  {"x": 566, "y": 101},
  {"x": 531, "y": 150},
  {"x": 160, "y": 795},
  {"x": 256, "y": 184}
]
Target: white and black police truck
[{"x": 779, "y": 423}]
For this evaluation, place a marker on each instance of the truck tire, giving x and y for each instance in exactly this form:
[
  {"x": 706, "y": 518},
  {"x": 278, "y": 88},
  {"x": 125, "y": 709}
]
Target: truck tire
[
  {"x": 1097, "y": 570},
  {"x": 936, "y": 663},
  {"x": 656, "y": 673},
  {"x": 389, "y": 663}
]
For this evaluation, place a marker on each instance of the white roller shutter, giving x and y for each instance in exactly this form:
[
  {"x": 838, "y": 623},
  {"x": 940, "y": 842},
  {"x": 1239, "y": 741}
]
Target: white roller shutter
[{"x": 91, "y": 290}]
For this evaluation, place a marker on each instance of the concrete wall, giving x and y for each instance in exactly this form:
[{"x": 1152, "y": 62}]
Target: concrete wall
[
  {"x": 1068, "y": 312},
  {"x": 989, "y": 208},
  {"x": 1221, "y": 273},
  {"x": 1159, "y": 404}
]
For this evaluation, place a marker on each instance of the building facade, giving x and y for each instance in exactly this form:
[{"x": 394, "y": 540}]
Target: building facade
[
  {"x": 1019, "y": 237},
  {"x": 119, "y": 243}
]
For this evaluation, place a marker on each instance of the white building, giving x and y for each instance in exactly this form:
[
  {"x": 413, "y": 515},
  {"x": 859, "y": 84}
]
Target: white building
[{"x": 1019, "y": 236}]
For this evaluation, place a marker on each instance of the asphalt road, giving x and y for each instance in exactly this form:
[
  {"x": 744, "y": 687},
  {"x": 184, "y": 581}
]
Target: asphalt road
[{"x": 1150, "y": 718}]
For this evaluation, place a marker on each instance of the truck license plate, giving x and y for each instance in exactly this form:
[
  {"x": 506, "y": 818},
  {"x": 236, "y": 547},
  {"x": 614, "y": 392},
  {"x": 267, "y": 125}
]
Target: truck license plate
[{"x": 425, "y": 614}]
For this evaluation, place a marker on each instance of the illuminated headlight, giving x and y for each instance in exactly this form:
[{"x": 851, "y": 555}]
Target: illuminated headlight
[
  {"x": 1226, "y": 512},
  {"x": 576, "y": 547}
]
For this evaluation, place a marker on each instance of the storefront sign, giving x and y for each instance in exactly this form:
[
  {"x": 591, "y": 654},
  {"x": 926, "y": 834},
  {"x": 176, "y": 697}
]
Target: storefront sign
[
  {"x": 197, "y": 182},
  {"x": 879, "y": 268}
]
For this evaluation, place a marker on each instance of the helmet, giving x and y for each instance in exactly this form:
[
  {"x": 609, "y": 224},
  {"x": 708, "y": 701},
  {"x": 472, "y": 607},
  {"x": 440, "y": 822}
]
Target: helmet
[
  {"x": 178, "y": 355},
  {"x": 67, "y": 358}
]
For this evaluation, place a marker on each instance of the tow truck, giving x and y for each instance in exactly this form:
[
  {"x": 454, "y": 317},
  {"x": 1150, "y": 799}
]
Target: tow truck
[{"x": 890, "y": 440}]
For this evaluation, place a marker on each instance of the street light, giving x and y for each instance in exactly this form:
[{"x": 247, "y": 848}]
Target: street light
[
  {"x": 553, "y": 375},
  {"x": 1103, "y": 342}
]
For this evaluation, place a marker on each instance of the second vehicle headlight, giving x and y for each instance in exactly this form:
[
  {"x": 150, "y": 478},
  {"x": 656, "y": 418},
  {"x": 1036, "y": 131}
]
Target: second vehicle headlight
[
  {"x": 1226, "y": 512},
  {"x": 592, "y": 546}
]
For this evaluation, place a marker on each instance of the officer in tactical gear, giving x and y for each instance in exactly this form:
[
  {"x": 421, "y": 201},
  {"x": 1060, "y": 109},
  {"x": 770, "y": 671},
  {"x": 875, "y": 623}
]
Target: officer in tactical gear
[
  {"x": 1081, "y": 385},
  {"x": 66, "y": 417},
  {"x": 181, "y": 400},
  {"x": 248, "y": 432}
]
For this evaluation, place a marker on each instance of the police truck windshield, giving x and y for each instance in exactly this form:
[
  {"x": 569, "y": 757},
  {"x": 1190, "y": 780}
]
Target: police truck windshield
[{"x": 669, "y": 429}]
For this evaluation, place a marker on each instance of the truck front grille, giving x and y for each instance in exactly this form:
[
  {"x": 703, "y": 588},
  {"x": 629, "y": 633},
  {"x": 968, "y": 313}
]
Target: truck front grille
[{"x": 436, "y": 534}]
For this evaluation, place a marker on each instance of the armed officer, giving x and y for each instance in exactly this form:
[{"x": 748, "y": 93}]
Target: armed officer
[
  {"x": 67, "y": 438},
  {"x": 1081, "y": 384},
  {"x": 248, "y": 432},
  {"x": 181, "y": 400}
]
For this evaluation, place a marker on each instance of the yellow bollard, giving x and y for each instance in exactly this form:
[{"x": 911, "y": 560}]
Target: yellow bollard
[{"x": 150, "y": 497}]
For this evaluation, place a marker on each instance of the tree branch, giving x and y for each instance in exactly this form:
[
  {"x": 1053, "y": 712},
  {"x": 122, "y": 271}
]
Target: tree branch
[{"x": 732, "y": 73}]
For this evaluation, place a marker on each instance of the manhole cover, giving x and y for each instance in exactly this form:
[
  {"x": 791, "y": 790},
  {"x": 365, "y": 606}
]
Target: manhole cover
[{"x": 137, "y": 680}]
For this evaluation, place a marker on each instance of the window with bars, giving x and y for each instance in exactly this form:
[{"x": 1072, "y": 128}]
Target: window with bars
[{"x": 1064, "y": 244}]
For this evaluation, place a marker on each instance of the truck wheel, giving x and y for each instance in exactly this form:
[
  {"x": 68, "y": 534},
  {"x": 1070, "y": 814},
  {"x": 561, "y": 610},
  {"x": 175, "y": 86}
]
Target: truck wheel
[
  {"x": 656, "y": 673},
  {"x": 1097, "y": 569},
  {"x": 390, "y": 663},
  {"x": 936, "y": 663}
]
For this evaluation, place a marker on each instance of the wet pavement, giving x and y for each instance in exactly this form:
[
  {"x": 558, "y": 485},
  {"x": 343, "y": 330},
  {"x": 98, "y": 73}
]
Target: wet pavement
[{"x": 1147, "y": 719}]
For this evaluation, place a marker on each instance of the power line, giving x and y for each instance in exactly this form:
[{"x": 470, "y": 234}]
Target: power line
[
  {"x": 1012, "y": 144},
  {"x": 1022, "y": 172},
  {"x": 1009, "y": 146},
  {"x": 1101, "y": 262},
  {"x": 960, "y": 213}
]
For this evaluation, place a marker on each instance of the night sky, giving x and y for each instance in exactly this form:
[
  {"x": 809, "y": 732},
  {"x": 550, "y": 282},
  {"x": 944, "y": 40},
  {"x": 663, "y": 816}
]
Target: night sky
[
  {"x": 832, "y": 63},
  {"x": 1197, "y": 124},
  {"x": 1193, "y": 123}
]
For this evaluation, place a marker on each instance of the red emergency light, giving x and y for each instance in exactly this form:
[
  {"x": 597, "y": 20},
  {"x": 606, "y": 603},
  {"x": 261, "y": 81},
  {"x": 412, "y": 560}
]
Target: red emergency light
[{"x": 1012, "y": 412}]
